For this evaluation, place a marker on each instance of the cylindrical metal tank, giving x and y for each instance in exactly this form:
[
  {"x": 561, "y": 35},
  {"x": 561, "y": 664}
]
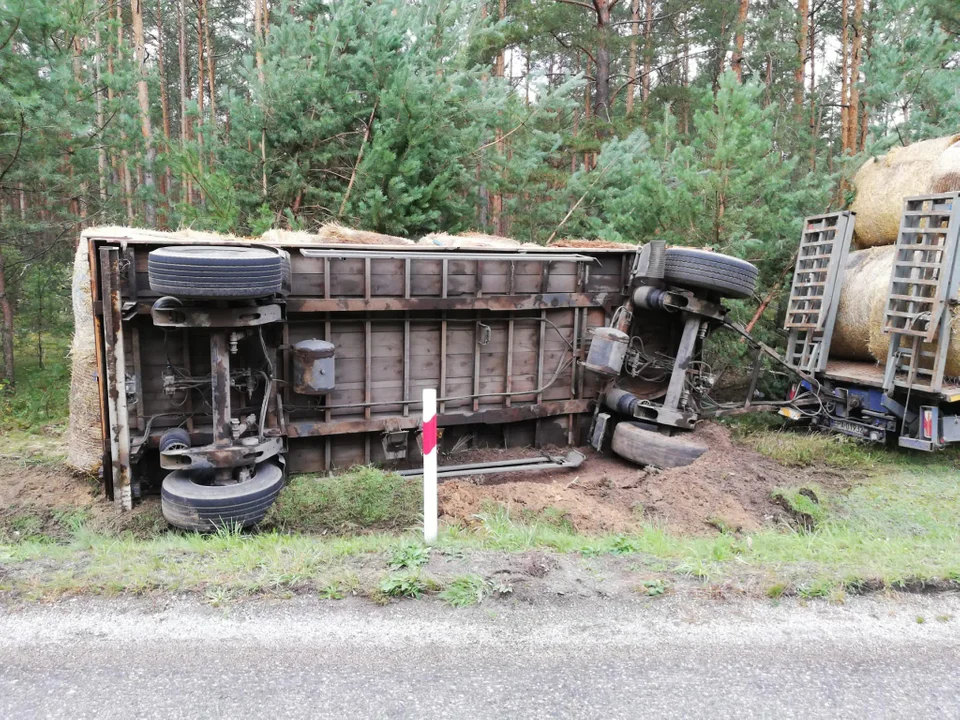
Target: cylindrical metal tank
[
  {"x": 607, "y": 350},
  {"x": 313, "y": 367},
  {"x": 621, "y": 401}
]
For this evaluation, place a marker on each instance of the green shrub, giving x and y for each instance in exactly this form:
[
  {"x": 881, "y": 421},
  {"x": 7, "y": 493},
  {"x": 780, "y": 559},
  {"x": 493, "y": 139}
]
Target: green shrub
[{"x": 362, "y": 498}]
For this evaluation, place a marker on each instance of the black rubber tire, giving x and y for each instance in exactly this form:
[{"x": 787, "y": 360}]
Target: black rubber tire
[
  {"x": 174, "y": 437},
  {"x": 725, "y": 275},
  {"x": 205, "y": 508},
  {"x": 635, "y": 443},
  {"x": 198, "y": 271}
]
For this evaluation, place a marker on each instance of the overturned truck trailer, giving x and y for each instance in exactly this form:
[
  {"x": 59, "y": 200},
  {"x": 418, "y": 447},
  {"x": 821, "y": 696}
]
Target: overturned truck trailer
[{"x": 242, "y": 360}]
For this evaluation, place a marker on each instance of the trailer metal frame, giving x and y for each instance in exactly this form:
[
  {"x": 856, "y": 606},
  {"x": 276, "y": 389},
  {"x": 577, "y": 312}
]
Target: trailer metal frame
[{"x": 500, "y": 334}]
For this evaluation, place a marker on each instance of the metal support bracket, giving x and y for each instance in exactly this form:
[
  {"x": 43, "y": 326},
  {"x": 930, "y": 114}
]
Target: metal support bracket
[
  {"x": 204, "y": 317},
  {"x": 209, "y": 457}
]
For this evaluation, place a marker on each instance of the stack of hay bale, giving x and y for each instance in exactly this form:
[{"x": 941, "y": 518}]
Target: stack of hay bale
[{"x": 928, "y": 167}]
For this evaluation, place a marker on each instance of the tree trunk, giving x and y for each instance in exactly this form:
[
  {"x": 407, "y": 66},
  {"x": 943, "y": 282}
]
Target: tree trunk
[
  {"x": 186, "y": 193},
  {"x": 865, "y": 118},
  {"x": 260, "y": 38},
  {"x": 736, "y": 61},
  {"x": 167, "y": 180},
  {"x": 844, "y": 72},
  {"x": 200, "y": 81},
  {"x": 853, "y": 113},
  {"x": 686, "y": 74},
  {"x": 112, "y": 157},
  {"x": 496, "y": 200},
  {"x": 81, "y": 197},
  {"x": 812, "y": 38},
  {"x": 6, "y": 309},
  {"x": 101, "y": 120},
  {"x": 803, "y": 10},
  {"x": 124, "y": 154},
  {"x": 768, "y": 95},
  {"x": 211, "y": 75},
  {"x": 632, "y": 67},
  {"x": 601, "y": 96},
  {"x": 143, "y": 96},
  {"x": 647, "y": 55}
]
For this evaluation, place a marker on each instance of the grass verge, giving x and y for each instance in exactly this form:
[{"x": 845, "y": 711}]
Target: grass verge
[{"x": 897, "y": 528}]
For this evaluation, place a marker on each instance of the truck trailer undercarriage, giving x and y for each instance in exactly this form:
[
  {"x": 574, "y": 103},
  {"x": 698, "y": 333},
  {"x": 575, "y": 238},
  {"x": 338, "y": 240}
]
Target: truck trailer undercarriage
[{"x": 224, "y": 365}]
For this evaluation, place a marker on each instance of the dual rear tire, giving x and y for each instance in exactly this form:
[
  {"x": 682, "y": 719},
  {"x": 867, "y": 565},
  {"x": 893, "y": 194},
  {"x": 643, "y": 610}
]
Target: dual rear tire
[
  {"x": 721, "y": 274},
  {"x": 226, "y": 273},
  {"x": 190, "y": 504}
]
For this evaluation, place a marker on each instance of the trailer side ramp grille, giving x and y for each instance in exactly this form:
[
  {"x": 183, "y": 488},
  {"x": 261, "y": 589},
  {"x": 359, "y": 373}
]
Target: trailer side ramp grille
[
  {"x": 815, "y": 293},
  {"x": 922, "y": 286}
]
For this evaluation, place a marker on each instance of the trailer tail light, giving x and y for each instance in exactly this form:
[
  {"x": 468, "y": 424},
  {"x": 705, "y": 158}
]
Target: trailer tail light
[
  {"x": 926, "y": 428},
  {"x": 793, "y": 392}
]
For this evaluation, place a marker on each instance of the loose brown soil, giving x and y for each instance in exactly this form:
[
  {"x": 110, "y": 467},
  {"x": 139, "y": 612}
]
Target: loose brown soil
[
  {"x": 42, "y": 495},
  {"x": 729, "y": 487}
]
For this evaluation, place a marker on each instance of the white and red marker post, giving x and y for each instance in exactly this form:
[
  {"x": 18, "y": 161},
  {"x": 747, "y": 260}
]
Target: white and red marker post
[{"x": 429, "y": 466}]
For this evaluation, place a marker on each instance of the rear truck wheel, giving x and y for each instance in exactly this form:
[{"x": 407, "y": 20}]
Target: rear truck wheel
[
  {"x": 174, "y": 439},
  {"x": 727, "y": 276},
  {"x": 635, "y": 443},
  {"x": 189, "y": 504},
  {"x": 195, "y": 271}
]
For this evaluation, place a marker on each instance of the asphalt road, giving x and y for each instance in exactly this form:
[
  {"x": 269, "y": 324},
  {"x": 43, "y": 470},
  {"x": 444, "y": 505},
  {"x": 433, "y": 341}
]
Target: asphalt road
[{"x": 306, "y": 658}]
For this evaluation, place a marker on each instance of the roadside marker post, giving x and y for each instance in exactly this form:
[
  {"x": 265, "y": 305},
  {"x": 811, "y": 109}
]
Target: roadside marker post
[{"x": 429, "y": 466}]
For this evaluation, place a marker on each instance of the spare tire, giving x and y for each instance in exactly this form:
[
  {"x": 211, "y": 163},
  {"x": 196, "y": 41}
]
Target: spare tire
[
  {"x": 635, "y": 443},
  {"x": 725, "y": 275},
  {"x": 190, "y": 505},
  {"x": 174, "y": 439},
  {"x": 207, "y": 271}
]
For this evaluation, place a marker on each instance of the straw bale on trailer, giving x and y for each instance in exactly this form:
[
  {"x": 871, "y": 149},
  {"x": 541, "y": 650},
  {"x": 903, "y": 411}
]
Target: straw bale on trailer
[
  {"x": 332, "y": 233},
  {"x": 883, "y": 182},
  {"x": 84, "y": 449},
  {"x": 472, "y": 240},
  {"x": 946, "y": 171},
  {"x": 858, "y": 332},
  {"x": 585, "y": 244},
  {"x": 865, "y": 284},
  {"x": 469, "y": 239}
]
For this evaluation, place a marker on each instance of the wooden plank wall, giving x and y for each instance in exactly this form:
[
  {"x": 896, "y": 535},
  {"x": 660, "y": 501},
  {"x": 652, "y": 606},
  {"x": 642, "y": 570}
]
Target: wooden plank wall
[{"x": 476, "y": 359}]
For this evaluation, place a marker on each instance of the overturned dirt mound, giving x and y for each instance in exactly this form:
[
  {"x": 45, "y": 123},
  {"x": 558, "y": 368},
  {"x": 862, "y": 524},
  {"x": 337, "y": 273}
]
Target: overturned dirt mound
[{"x": 728, "y": 487}]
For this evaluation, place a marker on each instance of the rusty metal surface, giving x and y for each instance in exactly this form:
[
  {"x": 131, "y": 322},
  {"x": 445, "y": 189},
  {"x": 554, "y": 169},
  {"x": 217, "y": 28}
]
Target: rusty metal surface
[
  {"x": 220, "y": 386},
  {"x": 208, "y": 457},
  {"x": 398, "y": 326},
  {"x": 204, "y": 317},
  {"x": 313, "y": 367},
  {"x": 543, "y": 301},
  {"x": 517, "y": 413},
  {"x": 120, "y": 469}
]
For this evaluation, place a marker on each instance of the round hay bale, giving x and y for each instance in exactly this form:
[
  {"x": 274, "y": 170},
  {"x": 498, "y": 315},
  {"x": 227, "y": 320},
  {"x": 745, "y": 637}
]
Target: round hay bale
[
  {"x": 880, "y": 342},
  {"x": 858, "y": 333},
  {"x": 865, "y": 284},
  {"x": 882, "y": 184},
  {"x": 946, "y": 170},
  {"x": 84, "y": 452}
]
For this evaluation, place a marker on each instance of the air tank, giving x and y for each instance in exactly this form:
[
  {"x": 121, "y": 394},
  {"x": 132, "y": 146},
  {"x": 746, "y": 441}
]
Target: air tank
[
  {"x": 313, "y": 367},
  {"x": 607, "y": 350}
]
